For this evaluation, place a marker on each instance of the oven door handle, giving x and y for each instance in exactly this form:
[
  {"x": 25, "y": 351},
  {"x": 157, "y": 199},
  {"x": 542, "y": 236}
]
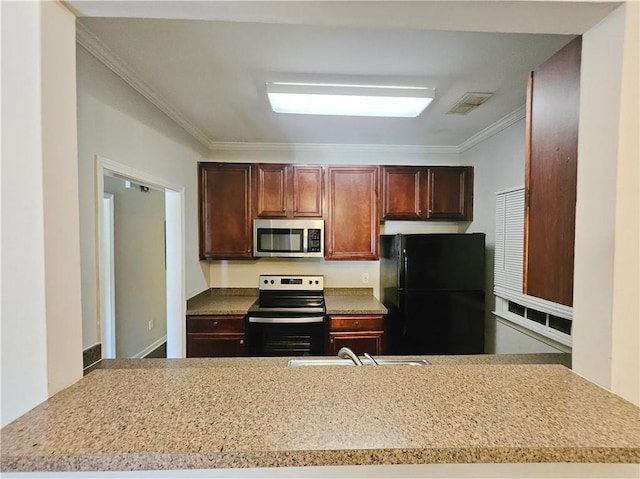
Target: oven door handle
[{"x": 281, "y": 320}]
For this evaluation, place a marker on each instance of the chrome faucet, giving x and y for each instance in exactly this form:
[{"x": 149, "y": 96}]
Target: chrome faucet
[
  {"x": 373, "y": 361},
  {"x": 345, "y": 353}
]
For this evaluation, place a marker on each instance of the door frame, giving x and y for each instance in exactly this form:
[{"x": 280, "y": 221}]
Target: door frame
[
  {"x": 108, "y": 320},
  {"x": 175, "y": 256}
]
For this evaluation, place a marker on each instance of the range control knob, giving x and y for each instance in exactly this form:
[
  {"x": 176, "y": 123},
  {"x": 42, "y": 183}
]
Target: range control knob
[
  {"x": 266, "y": 281},
  {"x": 272, "y": 281}
]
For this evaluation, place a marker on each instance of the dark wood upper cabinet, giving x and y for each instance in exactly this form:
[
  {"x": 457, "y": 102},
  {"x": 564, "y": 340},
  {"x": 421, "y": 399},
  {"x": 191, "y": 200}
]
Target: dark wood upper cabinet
[
  {"x": 403, "y": 193},
  {"x": 272, "y": 183},
  {"x": 353, "y": 225},
  {"x": 289, "y": 191},
  {"x": 225, "y": 211},
  {"x": 450, "y": 193},
  {"x": 551, "y": 175},
  {"x": 427, "y": 193},
  {"x": 308, "y": 189}
]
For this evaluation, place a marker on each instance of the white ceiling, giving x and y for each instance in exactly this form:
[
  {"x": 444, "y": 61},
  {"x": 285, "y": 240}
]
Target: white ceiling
[{"x": 210, "y": 75}]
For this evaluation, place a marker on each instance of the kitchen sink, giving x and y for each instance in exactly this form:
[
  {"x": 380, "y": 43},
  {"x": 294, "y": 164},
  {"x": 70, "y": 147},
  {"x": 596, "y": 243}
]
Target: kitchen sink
[{"x": 349, "y": 362}]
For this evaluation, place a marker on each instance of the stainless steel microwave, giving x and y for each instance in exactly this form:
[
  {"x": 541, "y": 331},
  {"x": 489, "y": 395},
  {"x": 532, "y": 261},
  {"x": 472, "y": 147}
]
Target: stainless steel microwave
[{"x": 288, "y": 238}]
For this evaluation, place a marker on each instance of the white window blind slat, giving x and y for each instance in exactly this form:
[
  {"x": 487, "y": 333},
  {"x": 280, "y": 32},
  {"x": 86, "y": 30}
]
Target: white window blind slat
[{"x": 509, "y": 250}]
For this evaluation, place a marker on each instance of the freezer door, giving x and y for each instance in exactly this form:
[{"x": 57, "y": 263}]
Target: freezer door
[
  {"x": 439, "y": 323},
  {"x": 443, "y": 262}
]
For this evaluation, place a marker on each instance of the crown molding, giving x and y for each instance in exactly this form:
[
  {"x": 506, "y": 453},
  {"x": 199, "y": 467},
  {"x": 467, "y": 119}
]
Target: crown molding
[
  {"x": 502, "y": 124},
  {"x": 331, "y": 148},
  {"x": 91, "y": 43},
  {"x": 98, "y": 49}
]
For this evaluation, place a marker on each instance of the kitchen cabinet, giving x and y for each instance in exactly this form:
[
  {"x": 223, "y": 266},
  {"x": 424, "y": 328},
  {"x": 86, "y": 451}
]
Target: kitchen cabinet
[
  {"x": 403, "y": 193},
  {"x": 551, "y": 175},
  {"x": 289, "y": 191},
  {"x": 225, "y": 213},
  {"x": 353, "y": 225},
  {"x": 360, "y": 333},
  {"x": 449, "y": 193},
  {"x": 427, "y": 193},
  {"x": 216, "y": 336}
]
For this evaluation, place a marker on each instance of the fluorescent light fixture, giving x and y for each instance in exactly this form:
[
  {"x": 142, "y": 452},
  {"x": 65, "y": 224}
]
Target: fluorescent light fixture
[{"x": 349, "y": 100}]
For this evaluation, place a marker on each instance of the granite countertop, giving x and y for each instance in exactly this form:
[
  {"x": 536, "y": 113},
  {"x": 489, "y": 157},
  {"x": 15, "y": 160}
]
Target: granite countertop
[
  {"x": 239, "y": 300},
  {"x": 193, "y": 416},
  {"x": 353, "y": 304},
  {"x": 220, "y": 301}
]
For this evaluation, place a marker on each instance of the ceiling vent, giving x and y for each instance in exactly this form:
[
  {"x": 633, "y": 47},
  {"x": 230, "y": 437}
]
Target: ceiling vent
[{"x": 469, "y": 102}]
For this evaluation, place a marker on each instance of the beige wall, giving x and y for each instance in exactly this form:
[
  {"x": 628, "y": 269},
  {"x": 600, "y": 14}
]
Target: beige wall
[
  {"x": 60, "y": 186},
  {"x": 606, "y": 319},
  {"x": 140, "y": 276},
  {"x": 41, "y": 323},
  {"x": 117, "y": 123},
  {"x": 625, "y": 364},
  {"x": 24, "y": 369}
]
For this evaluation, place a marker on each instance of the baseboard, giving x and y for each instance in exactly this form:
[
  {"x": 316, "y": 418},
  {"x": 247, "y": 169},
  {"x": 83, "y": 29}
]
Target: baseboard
[
  {"x": 91, "y": 355},
  {"x": 152, "y": 347}
]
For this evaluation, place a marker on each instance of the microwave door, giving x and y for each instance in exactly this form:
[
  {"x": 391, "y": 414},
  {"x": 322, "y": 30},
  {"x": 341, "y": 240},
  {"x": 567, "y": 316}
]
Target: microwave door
[{"x": 280, "y": 240}]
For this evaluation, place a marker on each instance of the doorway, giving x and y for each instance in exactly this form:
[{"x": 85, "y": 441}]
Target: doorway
[{"x": 173, "y": 307}]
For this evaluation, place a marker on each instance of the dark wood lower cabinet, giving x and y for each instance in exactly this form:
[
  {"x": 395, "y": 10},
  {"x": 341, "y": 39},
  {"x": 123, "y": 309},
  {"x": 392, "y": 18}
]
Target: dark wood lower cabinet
[
  {"x": 215, "y": 345},
  {"x": 359, "y": 343},
  {"x": 360, "y": 333},
  {"x": 216, "y": 336}
]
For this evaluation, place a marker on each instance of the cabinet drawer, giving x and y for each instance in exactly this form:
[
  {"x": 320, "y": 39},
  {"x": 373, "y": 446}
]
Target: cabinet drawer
[
  {"x": 215, "y": 324},
  {"x": 356, "y": 323},
  {"x": 206, "y": 345}
]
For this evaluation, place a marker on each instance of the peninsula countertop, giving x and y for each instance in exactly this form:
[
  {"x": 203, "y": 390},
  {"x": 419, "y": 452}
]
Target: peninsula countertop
[{"x": 190, "y": 414}]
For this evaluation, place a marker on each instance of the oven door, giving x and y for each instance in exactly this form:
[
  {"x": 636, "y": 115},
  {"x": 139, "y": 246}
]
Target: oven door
[{"x": 286, "y": 336}]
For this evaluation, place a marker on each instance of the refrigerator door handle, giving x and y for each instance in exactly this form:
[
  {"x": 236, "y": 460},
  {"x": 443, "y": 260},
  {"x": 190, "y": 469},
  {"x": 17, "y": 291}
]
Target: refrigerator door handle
[{"x": 405, "y": 263}]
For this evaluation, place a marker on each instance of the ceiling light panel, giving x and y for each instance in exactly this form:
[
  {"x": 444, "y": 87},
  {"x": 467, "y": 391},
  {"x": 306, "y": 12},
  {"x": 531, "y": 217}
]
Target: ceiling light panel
[{"x": 349, "y": 100}]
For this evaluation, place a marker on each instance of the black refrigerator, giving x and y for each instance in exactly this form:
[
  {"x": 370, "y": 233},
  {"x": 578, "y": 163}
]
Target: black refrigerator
[{"x": 433, "y": 287}]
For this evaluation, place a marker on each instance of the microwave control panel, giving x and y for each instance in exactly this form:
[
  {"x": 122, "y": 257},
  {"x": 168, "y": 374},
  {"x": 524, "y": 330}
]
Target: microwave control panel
[{"x": 315, "y": 240}]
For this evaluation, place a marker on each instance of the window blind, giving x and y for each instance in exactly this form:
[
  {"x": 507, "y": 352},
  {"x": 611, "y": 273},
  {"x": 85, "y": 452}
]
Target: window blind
[
  {"x": 509, "y": 249},
  {"x": 543, "y": 317}
]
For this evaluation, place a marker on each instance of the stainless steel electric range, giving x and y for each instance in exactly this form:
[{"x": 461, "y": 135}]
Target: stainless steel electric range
[{"x": 288, "y": 319}]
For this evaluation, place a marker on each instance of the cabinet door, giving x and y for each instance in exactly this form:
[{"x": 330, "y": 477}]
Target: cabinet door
[
  {"x": 308, "y": 182},
  {"x": 359, "y": 342},
  {"x": 203, "y": 345},
  {"x": 225, "y": 211},
  {"x": 551, "y": 175},
  {"x": 450, "y": 193},
  {"x": 219, "y": 336},
  {"x": 272, "y": 191},
  {"x": 358, "y": 332},
  {"x": 353, "y": 227},
  {"x": 402, "y": 193}
]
